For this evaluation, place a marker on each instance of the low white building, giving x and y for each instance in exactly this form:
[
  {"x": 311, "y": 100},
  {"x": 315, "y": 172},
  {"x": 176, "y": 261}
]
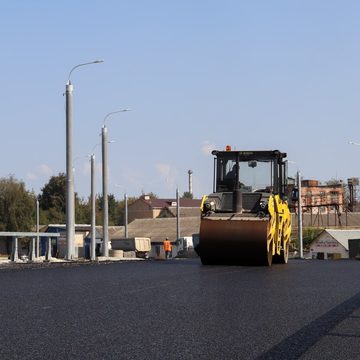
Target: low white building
[{"x": 333, "y": 244}]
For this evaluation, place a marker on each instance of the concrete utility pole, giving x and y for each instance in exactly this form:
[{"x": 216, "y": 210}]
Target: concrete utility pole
[
  {"x": 126, "y": 216},
  {"x": 177, "y": 215},
  {"x": 93, "y": 210},
  {"x": 15, "y": 249},
  {"x": 300, "y": 235},
  {"x": 70, "y": 194},
  {"x": 37, "y": 252},
  {"x": 105, "y": 192},
  {"x": 70, "y": 197},
  {"x": 32, "y": 253}
]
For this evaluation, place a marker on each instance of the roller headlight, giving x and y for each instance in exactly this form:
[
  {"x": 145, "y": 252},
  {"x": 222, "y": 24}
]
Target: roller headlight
[
  {"x": 263, "y": 204},
  {"x": 210, "y": 205}
]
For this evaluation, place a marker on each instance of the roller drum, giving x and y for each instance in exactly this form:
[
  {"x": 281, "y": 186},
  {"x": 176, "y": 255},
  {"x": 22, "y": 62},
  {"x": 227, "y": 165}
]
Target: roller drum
[{"x": 234, "y": 240}]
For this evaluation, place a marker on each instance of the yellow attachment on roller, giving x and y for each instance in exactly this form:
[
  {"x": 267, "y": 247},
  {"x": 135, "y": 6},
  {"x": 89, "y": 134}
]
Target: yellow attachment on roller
[
  {"x": 279, "y": 229},
  {"x": 202, "y": 202}
]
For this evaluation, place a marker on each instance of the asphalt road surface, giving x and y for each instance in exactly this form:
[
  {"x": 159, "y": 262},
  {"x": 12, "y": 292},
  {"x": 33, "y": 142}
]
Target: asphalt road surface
[{"x": 180, "y": 309}]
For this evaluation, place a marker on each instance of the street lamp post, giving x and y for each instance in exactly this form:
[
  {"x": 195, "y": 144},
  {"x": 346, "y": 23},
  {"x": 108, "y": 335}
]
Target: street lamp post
[
  {"x": 70, "y": 196},
  {"x": 105, "y": 180},
  {"x": 126, "y": 215},
  {"x": 93, "y": 210},
  {"x": 351, "y": 184},
  {"x": 301, "y": 255},
  {"x": 177, "y": 215},
  {"x": 37, "y": 253}
]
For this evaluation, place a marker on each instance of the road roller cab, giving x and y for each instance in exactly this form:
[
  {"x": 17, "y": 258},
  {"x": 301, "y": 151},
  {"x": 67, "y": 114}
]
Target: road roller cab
[{"x": 246, "y": 219}]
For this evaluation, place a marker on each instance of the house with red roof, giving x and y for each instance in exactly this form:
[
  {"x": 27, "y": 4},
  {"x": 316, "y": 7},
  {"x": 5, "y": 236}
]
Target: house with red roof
[{"x": 147, "y": 207}]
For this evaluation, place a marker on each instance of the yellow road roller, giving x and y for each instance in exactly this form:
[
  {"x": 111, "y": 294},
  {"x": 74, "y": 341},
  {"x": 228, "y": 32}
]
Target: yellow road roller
[{"x": 246, "y": 220}]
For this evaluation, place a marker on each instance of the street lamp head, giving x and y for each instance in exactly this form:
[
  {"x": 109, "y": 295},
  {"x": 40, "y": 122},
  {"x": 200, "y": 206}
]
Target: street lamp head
[
  {"x": 114, "y": 112},
  {"x": 88, "y": 63}
]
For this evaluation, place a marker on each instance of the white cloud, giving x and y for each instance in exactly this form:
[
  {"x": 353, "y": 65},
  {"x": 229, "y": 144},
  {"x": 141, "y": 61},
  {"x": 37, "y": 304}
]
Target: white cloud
[
  {"x": 167, "y": 173},
  {"x": 31, "y": 176},
  {"x": 41, "y": 171},
  {"x": 207, "y": 147},
  {"x": 86, "y": 169},
  {"x": 128, "y": 179},
  {"x": 45, "y": 170}
]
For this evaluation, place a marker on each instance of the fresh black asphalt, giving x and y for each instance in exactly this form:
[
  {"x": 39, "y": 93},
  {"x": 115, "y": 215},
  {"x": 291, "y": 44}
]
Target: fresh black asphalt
[{"x": 180, "y": 310}]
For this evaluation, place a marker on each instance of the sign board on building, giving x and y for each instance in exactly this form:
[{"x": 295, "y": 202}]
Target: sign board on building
[{"x": 327, "y": 243}]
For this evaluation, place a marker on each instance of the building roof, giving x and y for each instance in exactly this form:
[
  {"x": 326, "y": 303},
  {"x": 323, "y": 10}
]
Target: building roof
[
  {"x": 159, "y": 228},
  {"x": 184, "y": 211},
  {"x": 343, "y": 236},
  {"x": 85, "y": 228},
  {"x": 161, "y": 203}
]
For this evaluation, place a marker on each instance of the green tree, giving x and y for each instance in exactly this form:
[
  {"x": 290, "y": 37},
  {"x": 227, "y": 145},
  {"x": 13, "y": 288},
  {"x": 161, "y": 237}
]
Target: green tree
[
  {"x": 17, "y": 206},
  {"x": 120, "y": 210},
  {"x": 112, "y": 209},
  {"x": 151, "y": 195},
  {"x": 53, "y": 202},
  {"x": 187, "y": 195},
  {"x": 83, "y": 211},
  {"x": 98, "y": 209},
  {"x": 53, "y": 194},
  {"x": 309, "y": 235}
]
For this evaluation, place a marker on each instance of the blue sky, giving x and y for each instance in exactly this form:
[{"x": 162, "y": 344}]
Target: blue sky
[{"x": 198, "y": 75}]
